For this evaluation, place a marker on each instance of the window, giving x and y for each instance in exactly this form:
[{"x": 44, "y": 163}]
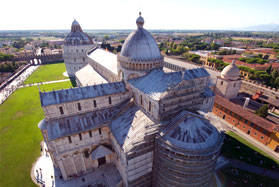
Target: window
[
  {"x": 246, "y": 121},
  {"x": 100, "y": 131},
  {"x": 79, "y": 107},
  {"x": 141, "y": 99},
  {"x": 221, "y": 82},
  {"x": 95, "y": 104},
  {"x": 149, "y": 106},
  {"x": 69, "y": 138},
  {"x": 90, "y": 134},
  {"x": 61, "y": 110},
  {"x": 80, "y": 137},
  {"x": 109, "y": 100},
  {"x": 83, "y": 59}
]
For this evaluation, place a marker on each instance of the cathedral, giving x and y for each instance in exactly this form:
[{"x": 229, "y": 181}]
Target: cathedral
[{"x": 130, "y": 117}]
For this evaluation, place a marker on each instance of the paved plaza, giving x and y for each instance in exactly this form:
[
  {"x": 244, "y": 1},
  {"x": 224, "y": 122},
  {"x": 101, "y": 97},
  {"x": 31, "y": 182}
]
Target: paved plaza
[{"x": 44, "y": 174}]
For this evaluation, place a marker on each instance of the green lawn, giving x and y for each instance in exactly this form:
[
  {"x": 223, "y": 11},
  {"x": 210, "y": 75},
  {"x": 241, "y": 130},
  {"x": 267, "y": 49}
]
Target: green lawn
[
  {"x": 19, "y": 135},
  {"x": 48, "y": 72},
  {"x": 236, "y": 177},
  {"x": 236, "y": 147}
]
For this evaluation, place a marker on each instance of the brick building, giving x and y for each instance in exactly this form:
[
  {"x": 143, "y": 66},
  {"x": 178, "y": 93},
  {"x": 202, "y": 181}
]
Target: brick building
[{"x": 225, "y": 107}]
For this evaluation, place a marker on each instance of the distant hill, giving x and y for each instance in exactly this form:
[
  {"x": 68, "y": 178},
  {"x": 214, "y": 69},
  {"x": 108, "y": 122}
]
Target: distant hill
[{"x": 265, "y": 27}]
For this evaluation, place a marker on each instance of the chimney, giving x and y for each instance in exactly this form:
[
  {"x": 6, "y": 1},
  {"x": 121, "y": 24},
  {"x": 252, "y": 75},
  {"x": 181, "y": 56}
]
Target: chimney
[{"x": 247, "y": 100}]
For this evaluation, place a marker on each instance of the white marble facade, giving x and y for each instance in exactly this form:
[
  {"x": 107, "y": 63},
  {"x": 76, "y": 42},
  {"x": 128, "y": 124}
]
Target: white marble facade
[{"x": 116, "y": 122}]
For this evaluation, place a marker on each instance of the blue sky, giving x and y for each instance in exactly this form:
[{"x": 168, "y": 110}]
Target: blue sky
[{"x": 121, "y": 14}]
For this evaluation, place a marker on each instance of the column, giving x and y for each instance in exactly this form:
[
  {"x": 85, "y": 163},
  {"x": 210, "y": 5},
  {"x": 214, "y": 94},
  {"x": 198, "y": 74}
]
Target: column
[
  {"x": 74, "y": 165},
  {"x": 83, "y": 163},
  {"x": 62, "y": 169}
]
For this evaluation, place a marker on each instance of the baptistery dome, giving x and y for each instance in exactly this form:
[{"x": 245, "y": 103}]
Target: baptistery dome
[
  {"x": 77, "y": 36},
  {"x": 140, "y": 52},
  {"x": 230, "y": 72}
]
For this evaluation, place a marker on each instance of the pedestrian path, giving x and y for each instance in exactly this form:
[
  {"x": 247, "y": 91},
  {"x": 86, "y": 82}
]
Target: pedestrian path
[
  {"x": 41, "y": 83},
  {"x": 11, "y": 87}
]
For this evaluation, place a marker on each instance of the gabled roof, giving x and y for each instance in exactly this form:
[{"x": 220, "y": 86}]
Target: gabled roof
[
  {"x": 245, "y": 114},
  {"x": 61, "y": 127},
  {"x": 157, "y": 81},
  {"x": 105, "y": 58},
  {"x": 75, "y": 94},
  {"x": 99, "y": 152},
  {"x": 131, "y": 128},
  {"x": 87, "y": 76}
]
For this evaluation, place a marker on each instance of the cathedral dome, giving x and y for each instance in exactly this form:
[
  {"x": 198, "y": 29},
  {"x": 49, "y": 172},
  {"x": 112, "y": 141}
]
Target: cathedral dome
[
  {"x": 77, "y": 36},
  {"x": 230, "y": 72},
  {"x": 140, "y": 45},
  {"x": 194, "y": 134}
]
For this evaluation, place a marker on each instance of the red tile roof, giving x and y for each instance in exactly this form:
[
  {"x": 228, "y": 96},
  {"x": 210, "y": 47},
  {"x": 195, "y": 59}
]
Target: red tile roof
[{"x": 237, "y": 109}]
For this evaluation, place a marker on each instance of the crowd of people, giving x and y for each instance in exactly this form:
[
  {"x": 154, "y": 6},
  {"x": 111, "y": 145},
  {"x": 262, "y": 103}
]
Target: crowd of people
[{"x": 16, "y": 83}]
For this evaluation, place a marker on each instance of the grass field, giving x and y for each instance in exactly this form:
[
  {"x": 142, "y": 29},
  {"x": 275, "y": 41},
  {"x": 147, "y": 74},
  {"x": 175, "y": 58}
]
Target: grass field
[
  {"x": 48, "y": 72},
  {"x": 19, "y": 135},
  {"x": 235, "y": 147},
  {"x": 236, "y": 177}
]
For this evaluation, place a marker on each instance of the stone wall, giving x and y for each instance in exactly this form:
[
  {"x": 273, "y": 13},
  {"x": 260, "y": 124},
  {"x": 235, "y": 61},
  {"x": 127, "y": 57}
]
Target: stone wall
[
  {"x": 87, "y": 105},
  {"x": 104, "y": 72},
  {"x": 271, "y": 95},
  {"x": 71, "y": 157},
  {"x": 75, "y": 57}
]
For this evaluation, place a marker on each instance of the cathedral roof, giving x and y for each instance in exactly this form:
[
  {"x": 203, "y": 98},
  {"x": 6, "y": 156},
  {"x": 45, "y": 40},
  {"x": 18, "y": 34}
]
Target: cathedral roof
[
  {"x": 157, "y": 81},
  {"x": 230, "y": 72},
  {"x": 77, "y": 36},
  {"x": 88, "y": 76},
  {"x": 75, "y": 94},
  {"x": 66, "y": 126},
  {"x": 105, "y": 58},
  {"x": 140, "y": 45},
  {"x": 131, "y": 128},
  {"x": 192, "y": 133}
]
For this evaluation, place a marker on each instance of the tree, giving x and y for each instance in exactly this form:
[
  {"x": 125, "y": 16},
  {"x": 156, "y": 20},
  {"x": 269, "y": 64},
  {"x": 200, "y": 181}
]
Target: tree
[
  {"x": 268, "y": 70},
  {"x": 262, "y": 111},
  {"x": 274, "y": 74},
  {"x": 276, "y": 82}
]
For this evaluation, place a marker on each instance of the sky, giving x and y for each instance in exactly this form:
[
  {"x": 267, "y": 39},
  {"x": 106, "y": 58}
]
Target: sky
[{"x": 122, "y": 14}]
